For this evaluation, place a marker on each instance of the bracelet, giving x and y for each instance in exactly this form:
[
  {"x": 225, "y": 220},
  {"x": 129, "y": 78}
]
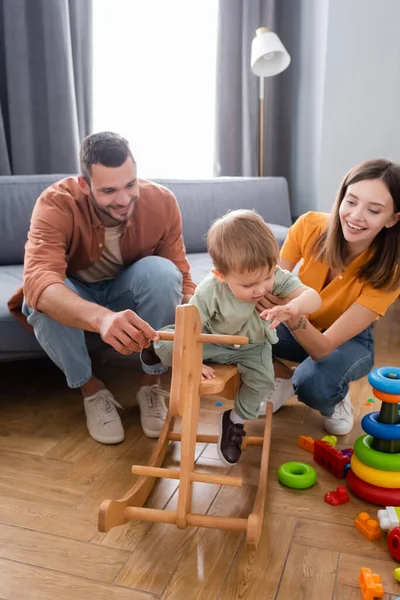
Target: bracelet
[{"x": 301, "y": 324}]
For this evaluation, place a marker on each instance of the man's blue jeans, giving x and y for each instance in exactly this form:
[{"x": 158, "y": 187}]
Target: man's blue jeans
[
  {"x": 321, "y": 384},
  {"x": 151, "y": 287}
]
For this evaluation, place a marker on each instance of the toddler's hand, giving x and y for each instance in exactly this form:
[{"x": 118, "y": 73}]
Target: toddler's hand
[
  {"x": 207, "y": 372},
  {"x": 278, "y": 314}
]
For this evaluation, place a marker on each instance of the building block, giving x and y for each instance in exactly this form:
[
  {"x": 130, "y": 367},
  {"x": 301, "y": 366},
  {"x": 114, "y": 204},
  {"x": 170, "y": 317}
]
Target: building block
[
  {"x": 346, "y": 469},
  {"x": 389, "y": 518},
  {"x": 394, "y": 543},
  {"x": 306, "y": 442},
  {"x": 367, "y": 526},
  {"x": 331, "y": 459},
  {"x": 337, "y": 497},
  {"x": 347, "y": 452},
  {"x": 370, "y": 584},
  {"x": 330, "y": 439}
]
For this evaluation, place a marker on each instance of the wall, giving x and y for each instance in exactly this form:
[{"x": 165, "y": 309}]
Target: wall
[{"x": 348, "y": 105}]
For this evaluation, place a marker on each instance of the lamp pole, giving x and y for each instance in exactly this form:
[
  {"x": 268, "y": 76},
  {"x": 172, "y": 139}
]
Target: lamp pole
[{"x": 261, "y": 170}]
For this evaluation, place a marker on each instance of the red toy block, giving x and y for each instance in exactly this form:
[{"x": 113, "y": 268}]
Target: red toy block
[
  {"x": 306, "y": 442},
  {"x": 338, "y": 497},
  {"x": 367, "y": 526},
  {"x": 370, "y": 584},
  {"x": 331, "y": 459},
  {"x": 394, "y": 543}
]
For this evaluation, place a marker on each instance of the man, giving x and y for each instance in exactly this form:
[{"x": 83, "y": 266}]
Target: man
[{"x": 105, "y": 253}]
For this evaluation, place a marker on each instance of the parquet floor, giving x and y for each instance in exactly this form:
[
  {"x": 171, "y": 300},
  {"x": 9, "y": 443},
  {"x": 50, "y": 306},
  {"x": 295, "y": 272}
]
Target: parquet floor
[{"x": 53, "y": 477}]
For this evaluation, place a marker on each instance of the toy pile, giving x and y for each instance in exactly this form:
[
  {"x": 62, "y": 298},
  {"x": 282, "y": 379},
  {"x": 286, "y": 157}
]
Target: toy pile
[{"x": 374, "y": 474}]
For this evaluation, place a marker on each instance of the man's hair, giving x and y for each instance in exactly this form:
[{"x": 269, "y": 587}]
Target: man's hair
[
  {"x": 105, "y": 148},
  {"x": 242, "y": 242}
]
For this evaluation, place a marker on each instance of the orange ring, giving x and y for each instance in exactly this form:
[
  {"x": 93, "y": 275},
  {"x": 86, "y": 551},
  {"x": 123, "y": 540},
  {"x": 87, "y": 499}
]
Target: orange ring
[{"x": 385, "y": 397}]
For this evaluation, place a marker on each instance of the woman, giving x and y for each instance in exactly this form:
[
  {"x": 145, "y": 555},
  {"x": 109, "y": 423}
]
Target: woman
[{"x": 351, "y": 257}]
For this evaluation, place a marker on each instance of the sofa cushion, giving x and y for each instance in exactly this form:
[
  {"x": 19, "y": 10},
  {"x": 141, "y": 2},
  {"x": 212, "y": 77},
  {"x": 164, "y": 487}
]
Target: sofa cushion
[
  {"x": 14, "y": 336},
  {"x": 203, "y": 201},
  {"x": 18, "y": 195}
]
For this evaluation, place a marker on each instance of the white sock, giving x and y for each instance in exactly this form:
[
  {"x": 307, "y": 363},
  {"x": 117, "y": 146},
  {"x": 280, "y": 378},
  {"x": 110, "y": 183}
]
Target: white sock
[{"x": 235, "y": 418}]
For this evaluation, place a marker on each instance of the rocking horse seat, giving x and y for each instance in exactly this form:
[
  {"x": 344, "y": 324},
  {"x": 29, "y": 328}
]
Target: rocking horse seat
[{"x": 225, "y": 375}]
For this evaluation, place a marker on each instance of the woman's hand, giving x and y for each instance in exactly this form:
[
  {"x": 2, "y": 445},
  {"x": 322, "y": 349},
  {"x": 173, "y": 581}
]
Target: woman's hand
[
  {"x": 269, "y": 301},
  {"x": 278, "y": 314},
  {"x": 207, "y": 372}
]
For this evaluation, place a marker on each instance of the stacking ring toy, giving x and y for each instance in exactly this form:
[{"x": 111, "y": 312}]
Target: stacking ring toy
[
  {"x": 372, "y": 493},
  {"x": 372, "y": 458},
  {"x": 297, "y": 475},
  {"x": 385, "y": 397},
  {"x": 383, "y": 431},
  {"x": 384, "y": 479},
  {"x": 385, "y": 379}
]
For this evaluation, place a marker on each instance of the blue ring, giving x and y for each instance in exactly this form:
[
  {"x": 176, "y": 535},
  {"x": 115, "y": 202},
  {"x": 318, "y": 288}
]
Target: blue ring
[
  {"x": 371, "y": 425},
  {"x": 378, "y": 378}
]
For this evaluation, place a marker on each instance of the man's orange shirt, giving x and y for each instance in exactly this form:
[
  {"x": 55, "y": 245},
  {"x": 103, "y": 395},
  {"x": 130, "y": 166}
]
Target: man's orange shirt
[
  {"x": 340, "y": 293},
  {"x": 67, "y": 236}
]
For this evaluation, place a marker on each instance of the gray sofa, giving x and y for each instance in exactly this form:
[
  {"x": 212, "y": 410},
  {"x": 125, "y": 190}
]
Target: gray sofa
[{"x": 200, "y": 201}]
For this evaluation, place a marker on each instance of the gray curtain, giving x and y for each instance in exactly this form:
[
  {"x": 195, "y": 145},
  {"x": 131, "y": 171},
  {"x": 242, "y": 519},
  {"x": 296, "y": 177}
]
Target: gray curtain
[
  {"x": 45, "y": 84},
  {"x": 237, "y": 96}
]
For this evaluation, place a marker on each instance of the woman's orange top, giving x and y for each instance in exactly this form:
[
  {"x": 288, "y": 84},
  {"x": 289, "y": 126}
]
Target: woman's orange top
[{"x": 345, "y": 289}]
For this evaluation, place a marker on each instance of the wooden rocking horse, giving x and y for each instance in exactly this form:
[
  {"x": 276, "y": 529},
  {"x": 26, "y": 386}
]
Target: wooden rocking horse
[{"x": 186, "y": 389}]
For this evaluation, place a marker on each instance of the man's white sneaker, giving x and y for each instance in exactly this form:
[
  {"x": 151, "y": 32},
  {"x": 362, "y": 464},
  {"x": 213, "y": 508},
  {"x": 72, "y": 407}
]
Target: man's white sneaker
[
  {"x": 153, "y": 410},
  {"x": 283, "y": 392},
  {"x": 102, "y": 419},
  {"x": 341, "y": 421}
]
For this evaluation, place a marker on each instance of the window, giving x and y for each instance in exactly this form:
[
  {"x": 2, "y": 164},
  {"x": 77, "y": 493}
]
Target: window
[{"x": 154, "y": 82}]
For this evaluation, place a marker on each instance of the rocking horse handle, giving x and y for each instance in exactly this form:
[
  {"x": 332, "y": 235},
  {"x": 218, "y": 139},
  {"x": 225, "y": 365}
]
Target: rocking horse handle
[{"x": 210, "y": 338}]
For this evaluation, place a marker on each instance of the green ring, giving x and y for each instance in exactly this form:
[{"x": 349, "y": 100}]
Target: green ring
[
  {"x": 297, "y": 475},
  {"x": 372, "y": 458}
]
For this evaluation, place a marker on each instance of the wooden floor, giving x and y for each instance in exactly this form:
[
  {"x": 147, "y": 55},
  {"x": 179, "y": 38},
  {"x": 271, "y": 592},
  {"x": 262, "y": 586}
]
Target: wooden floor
[{"x": 53, "y": 477}]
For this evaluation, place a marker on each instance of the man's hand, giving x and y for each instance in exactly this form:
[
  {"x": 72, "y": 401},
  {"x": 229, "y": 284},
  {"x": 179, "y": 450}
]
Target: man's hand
[
  {"x": 126, "y": 332},
  {"x": 277, "y": 314},
  {"x": 207, "y": 372},
  {"x": 186, "y": 298}
]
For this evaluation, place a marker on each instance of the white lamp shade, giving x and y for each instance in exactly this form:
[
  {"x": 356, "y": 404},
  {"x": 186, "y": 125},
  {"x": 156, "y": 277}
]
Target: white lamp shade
[{"x": 268, "y": 55}]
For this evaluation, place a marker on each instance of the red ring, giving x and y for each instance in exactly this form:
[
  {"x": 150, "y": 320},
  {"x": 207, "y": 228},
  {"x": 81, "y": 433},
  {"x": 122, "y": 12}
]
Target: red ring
[{"x": 372, "y": 493}]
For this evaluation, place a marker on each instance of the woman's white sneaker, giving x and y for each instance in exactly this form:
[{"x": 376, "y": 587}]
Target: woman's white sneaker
[
  {"x": 341, "y": 421},
  {"x": 283, "y": 391}
]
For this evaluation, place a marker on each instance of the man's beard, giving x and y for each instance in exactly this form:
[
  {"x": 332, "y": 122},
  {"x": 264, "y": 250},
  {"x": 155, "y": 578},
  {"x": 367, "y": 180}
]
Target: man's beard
[{"x": 105, "y": 210}]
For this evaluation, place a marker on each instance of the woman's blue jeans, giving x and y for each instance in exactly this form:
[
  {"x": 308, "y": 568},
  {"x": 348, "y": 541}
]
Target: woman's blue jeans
[
  {"x": 321, "y": 384},
  {"x": 151, "y": 287}
]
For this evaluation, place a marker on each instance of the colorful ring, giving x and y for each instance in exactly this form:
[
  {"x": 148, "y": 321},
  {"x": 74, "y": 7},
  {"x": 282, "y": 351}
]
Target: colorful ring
[
  {"x": 380, "y": 379},
  {"x": 385, "y": 397},
  {"x": 372, "y": 493},
  {"x": 385, "y": 479},
  {"x": 297, "y": 475},
  {"x": 372, "y": 458},
  {"x": 371, "y": 425}
]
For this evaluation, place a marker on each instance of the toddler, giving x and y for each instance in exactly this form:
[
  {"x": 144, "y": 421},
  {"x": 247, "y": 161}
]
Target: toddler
[{"x": 245, "y": 255}]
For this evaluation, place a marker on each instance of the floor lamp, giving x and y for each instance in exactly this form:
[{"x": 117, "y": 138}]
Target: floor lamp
[{"x": 268, "y": 57}]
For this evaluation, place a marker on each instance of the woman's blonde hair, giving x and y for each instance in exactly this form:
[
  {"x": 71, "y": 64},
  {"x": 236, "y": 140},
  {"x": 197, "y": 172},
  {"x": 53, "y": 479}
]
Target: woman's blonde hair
[
  {"x": 241, "y": 242},
  {"x": 382, "y": 266}
]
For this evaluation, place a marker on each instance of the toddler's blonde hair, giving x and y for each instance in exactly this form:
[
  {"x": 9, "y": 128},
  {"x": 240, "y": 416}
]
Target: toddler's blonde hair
[{"x": 241, "y": 242}]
